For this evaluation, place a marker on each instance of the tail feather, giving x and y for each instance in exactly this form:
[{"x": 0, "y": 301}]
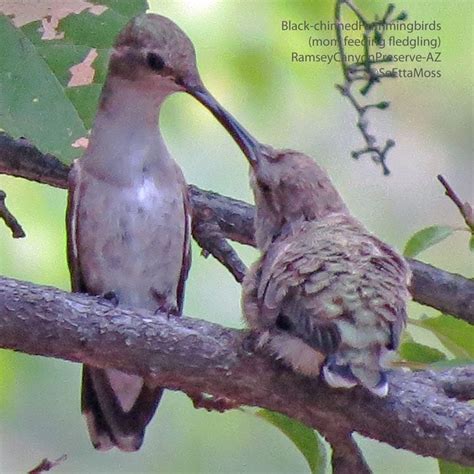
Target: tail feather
[
  {"x": 320, "y": 337},
  {"x": 374, "y": 379},
  {"x": 96, "y": 424},
  {"x": 117, "y": 413},
  {"x": 381, "y": 389},
  {"x": 347, "y": 376},
  {"x": 337, "y": 375}
]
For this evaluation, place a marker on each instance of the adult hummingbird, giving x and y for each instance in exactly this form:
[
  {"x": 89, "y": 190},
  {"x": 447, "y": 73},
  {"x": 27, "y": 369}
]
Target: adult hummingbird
[
  {"x": 128, "y": 216},
  {"x": 326, "y": 295}
]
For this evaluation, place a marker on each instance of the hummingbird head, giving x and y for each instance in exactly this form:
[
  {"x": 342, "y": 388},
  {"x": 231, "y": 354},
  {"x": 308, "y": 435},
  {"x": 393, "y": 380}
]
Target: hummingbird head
[
  {"x": 289, "y": 187},
  {"x": 152, "y": 49},
  {"x": 154, "y": 54}
]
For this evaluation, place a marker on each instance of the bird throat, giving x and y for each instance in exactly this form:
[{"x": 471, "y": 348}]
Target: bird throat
[{"x": 125, "y": 138}]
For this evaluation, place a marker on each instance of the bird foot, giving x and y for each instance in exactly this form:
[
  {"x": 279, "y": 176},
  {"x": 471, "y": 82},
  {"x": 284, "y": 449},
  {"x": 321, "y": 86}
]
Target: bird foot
[
  {"x": 164, "y": 306},
  {"x": 112, "y": 297},
  {"x": 169, "y": 311}
]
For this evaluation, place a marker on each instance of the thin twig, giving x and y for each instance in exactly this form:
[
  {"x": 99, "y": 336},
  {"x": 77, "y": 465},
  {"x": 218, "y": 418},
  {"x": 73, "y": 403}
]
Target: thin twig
[
  {"x": 46, "y": 465},
  {"x": 9, "y": 219},
  {"x": 364, "y": 71},
  {"x": 464, "y": 208},
  {"x": 340, "y": 40}
]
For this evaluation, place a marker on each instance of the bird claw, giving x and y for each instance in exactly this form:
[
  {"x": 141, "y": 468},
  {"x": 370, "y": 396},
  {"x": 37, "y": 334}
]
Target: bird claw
[
  {"x": 168, "y": 311},
  {"x": 112, "y": 297},
  {"x": 164, "y": 306}
]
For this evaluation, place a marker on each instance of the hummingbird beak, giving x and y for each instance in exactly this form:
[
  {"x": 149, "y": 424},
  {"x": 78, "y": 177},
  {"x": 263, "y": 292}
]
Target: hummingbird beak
[{"x": 249, "y": 146}]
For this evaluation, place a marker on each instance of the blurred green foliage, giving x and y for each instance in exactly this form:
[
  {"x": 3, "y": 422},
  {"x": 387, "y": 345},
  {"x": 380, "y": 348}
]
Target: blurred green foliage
[
  {"x": 420, "y": 353},
  {"x": 305, "y": 439},
  {"x": 245, "y": 59},
  {"x": 456, "y": 335},
  {"x": 451, "y": 468}
]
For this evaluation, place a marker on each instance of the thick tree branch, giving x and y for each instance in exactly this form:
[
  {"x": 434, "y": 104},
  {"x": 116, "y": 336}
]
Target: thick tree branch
[
  {"x": 22, "y": 159},
  {"x": 194, "y": 355},
  {"x": 450, "y": 293},
  {"x": 431, "y": 286}
]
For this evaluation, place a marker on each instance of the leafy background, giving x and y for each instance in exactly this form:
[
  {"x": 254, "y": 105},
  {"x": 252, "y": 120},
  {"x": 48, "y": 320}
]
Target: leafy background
[{"x": 244, "y": 58}]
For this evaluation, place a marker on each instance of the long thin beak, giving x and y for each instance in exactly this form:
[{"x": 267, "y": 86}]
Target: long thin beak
[{"x": 249, "y": 146}]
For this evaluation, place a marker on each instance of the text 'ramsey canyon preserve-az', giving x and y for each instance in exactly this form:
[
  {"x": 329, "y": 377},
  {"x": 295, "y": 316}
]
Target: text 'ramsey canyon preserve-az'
[{"x": 392, "y": 41}]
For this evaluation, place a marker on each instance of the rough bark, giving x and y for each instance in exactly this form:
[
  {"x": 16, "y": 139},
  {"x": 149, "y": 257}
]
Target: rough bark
[
  {"x": 447, "y": 292},
  {"x": 194, "y": 355}
]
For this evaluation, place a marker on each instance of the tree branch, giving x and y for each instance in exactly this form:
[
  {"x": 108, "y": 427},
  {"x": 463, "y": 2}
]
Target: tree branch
[
  {"x": 372, "y": 34},
  {"x": 210, "y": 238},
  {"x": 448, "y": 292},
  {"x": 347, "y": 458},
  {"x": 194, "y": 355},
  {"x": 9, "y": 219},
  {"x": 47, "y": 465},
  {"x": 22, "y": 159},
  {"x": 464, "y": 208}
]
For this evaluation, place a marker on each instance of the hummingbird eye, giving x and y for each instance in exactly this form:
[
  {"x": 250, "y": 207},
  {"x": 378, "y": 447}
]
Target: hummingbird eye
[{"x": 155, "y": 62}]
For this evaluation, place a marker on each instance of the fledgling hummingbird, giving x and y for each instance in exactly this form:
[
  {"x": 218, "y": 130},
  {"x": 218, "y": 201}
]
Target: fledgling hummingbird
[
  {"x": 326, "y": 295},
  {"x": 128, "y": 216}
]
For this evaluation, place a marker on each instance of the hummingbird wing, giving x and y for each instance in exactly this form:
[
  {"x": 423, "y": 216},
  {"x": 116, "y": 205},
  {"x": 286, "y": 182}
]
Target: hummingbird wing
[
  {"x": 77, "y": 283},
  {"x": 286, "y": 270},
  {"x": 117, "y": 406},
  {"x": 342, "y": 292},
  {"x": 186, "y": 262}
]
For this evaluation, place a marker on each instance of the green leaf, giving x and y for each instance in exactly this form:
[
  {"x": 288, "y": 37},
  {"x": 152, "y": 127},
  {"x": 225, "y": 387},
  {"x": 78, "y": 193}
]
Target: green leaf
[
  {"x": 125, "y": 7},
  {"x": 96, "y": 31},
  {"x": 305, "y": 439},
  {"x": 426, "y": 238},
  {"x": 85, "y": 99},
  {"x": 378, "y": 37},
  {"x": 415, "y": 352},
  {"x": 364, "y": 90},
  {"x": 402, "y": 16},
  {"x": 455, "y": 334},
  {"x": 35, "y": 99},
  {"x": 471, "y": 243},
  {"x": 33, "y": 103},
  {"x": 446, "y": 467},
  {"x": 382, "y": 105},
  {"x": 61, "y": 57}
]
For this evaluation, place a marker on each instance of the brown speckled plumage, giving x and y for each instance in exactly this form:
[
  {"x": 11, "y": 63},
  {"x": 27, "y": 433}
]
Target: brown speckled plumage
[{"x": 325, "y": 293}]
